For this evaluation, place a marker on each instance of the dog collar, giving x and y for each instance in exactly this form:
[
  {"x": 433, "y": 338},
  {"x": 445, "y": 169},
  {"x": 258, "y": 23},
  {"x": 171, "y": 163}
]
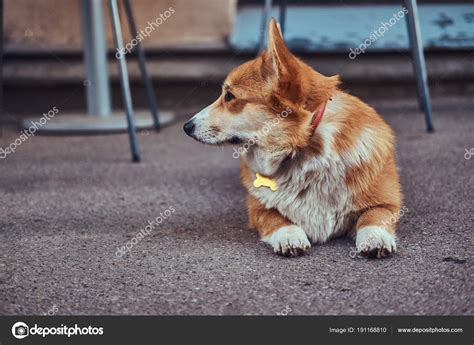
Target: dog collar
[{"x": 317, "y": 119}]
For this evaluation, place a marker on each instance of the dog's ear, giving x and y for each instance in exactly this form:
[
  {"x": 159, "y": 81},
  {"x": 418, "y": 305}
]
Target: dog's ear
[
  {"x": 279, "y": 64},
  {"x": 278, "y": 59}
]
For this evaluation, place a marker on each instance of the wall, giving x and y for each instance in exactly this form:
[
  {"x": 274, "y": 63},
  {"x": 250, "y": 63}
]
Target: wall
[{"x": 39, "y": 25}]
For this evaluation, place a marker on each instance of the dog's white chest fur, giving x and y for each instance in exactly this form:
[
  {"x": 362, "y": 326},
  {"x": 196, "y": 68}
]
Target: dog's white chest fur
[{"x": 312, "y": 194}]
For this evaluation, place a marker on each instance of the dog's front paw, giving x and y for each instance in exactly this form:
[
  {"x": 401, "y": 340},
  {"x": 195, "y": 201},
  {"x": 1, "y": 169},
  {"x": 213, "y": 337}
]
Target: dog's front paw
[
  {"x": 288, "y": 240},
  {"x": 375, "y": 242}
]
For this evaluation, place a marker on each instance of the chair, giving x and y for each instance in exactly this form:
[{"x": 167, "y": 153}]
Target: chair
[
  {"x": 123, "y": 72},
  {"x": 96, "y": 83},
  {"x": 416, "y": 47}
]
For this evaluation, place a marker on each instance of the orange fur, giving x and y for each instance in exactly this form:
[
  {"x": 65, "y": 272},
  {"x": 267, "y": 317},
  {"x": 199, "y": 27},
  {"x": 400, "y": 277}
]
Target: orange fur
[{"x": 277, "y": 80}]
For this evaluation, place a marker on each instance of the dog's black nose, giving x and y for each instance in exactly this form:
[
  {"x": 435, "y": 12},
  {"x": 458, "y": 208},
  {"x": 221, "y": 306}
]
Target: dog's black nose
[{"x": 189, "y": 127}]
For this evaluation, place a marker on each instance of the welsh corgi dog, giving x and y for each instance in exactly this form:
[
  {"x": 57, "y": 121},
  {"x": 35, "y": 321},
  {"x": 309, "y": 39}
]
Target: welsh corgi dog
[{"x": 317, "y": 163}]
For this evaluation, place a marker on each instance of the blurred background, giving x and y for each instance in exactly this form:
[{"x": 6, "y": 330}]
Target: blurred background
[{"x": 190, "y": 53}]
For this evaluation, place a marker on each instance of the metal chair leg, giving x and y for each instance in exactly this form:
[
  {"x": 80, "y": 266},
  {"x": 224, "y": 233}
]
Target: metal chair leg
[
  {"x": 283, "y": 4},
  {"x": 95, "y": 59},
  {"x": 263, "y": 26},
  {"x": 124, "y": 82},
  {"x": 1, "y": 61},
  {"x": 416, "y": 46},
  {"x": 142, "y": 63}
]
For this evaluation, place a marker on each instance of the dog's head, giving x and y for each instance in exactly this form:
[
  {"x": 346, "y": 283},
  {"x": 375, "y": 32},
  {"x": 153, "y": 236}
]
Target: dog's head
[{"x": 270, "y": 100}]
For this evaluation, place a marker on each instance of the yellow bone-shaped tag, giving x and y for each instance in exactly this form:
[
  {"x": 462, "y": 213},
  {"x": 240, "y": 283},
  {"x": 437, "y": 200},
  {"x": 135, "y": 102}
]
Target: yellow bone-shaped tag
[{"x": 264, "y": 181}]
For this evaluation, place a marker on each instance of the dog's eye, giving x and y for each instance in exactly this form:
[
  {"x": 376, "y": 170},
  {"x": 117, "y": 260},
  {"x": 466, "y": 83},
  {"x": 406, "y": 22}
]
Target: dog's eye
[{"x": 228, "y": 96}]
